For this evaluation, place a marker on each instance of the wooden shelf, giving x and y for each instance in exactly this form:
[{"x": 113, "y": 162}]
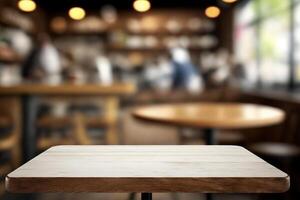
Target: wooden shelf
[
  {"x": 169, "y": 33},
  {"x": 130, "y": 33},
  {"x": 77, "y": 33},
  {"x": 152, "y": 49},
  {"x": 11, "y": 18}
]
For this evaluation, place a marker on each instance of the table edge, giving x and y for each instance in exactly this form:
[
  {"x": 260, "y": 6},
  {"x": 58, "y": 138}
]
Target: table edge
[
  {"x": 204, "y": 185},
  {"x": 207, "y": 124}
]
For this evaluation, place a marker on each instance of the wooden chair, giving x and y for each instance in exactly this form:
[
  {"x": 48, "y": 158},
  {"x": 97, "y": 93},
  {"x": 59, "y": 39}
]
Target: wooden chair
[
  {"x": 108, "y": 121},
  {"x": 52, "y": 128},
  {"x": 10, "y": 110},
  {"x": 51, "y": 123},
  {"x": 77, "y": 122}
]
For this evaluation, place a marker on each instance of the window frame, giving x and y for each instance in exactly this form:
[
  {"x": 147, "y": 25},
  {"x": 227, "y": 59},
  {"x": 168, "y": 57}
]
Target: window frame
[{"x": 257, "y": 22}]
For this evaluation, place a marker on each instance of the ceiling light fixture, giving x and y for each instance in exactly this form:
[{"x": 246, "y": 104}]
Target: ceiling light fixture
[
  {"x": 77, "y": 13},
  {"x": 27, "y": 5},
  {"x": 142, "y": 5},
  {"x": 229, "y": 1},
  {"x": 212, "y": 12}
]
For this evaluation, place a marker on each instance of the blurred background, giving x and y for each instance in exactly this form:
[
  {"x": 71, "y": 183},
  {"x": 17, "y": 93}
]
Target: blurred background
[{"x": 121, "y": 54}]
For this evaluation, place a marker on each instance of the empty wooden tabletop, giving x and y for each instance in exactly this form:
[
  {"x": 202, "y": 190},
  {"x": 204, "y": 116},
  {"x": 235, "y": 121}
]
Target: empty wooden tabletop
[
  {"x": 212, "y": 115},
  {"x": 68, "y": 89},
  {"x": 214, "y": 169}
]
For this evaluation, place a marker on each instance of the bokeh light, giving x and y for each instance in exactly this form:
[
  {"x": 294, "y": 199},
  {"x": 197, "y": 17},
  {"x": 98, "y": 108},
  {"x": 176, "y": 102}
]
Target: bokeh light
[
  {"x": 77, "y": 13},
  {"x": 142, "y": 5},
  {"x": 27, "y": 5},
  {"x": 229, "y": 1},
  {"x": 212, "y": 12}
]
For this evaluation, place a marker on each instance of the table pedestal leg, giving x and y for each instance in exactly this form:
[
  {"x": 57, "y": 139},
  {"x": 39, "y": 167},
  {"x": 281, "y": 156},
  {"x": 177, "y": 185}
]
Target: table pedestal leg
[
  {"x": 146, "y": 196},
  {"x": 210, "y": 136},
  {"x": 132, "y": 196},
  {"x": 210, "y": 139},
  {"x": 209, "y": 197},
  {"x": 29, "y": 108}
]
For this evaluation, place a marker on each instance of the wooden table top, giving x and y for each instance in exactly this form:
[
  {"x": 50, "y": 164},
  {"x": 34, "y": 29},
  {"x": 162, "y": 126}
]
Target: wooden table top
[
  {"x": 214, "y": 169},
  {"x": 68, "y": 89},
  {"x": 212, "y": 115}
]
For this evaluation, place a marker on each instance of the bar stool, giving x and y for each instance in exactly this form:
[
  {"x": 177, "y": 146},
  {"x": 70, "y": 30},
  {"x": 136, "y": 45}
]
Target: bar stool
[
  {"x": 284, "y": 152},
  {"x": 285, "y": 146},
  {"x": 66, "y": 121}
]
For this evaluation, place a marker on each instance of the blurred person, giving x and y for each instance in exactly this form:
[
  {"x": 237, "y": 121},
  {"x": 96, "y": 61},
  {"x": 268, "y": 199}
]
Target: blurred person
[
  {"x": 159, "y": 74},
  {"x": 19, "y": 41},
  {"x": 222, "y": 66},
  {"x": 216, "y": 67},
  {"x": 14, "y": 45},
  {"x": 43, "y": 63},
  {"x": 185, "y": 75},
  {"x": 243, "y": 76},
  {"x": 104, "y": 69},
  {"x": 238, "y": 75},
  {"x": 71, "y": 69}
]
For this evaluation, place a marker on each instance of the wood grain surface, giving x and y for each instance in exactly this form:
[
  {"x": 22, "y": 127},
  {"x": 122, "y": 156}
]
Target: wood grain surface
[
  {"x": 214, "y": 169},
  {"x": 212, "y": 115},
  {"x": 68, "y": 89}
]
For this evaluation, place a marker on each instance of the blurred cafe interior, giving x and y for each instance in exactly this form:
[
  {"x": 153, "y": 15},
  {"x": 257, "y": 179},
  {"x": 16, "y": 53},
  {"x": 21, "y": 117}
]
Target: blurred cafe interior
[{"x": 73, "y": 71}]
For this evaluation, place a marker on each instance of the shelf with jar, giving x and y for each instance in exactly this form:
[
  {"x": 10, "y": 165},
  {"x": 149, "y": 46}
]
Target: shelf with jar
[
  {"x": 11, "y": 18},
  {"x": 122, "y": 42}
]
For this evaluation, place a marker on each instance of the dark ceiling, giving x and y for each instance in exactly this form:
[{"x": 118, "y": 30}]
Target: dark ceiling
[{"x": 58, "y": 6}]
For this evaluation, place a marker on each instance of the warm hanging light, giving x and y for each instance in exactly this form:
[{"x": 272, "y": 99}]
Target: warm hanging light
[
  {"x": 229, "y": 1},
  {"x": 27, "y": 5},
  {"x": 77, "y": 13},
  {"x": 142, "y": 5},
  {"x": 212, "y": 12}
]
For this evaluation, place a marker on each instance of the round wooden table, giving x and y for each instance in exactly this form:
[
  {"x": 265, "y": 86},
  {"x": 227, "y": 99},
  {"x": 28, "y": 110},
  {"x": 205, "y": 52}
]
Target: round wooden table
[{"x": 211, "y": 116}]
